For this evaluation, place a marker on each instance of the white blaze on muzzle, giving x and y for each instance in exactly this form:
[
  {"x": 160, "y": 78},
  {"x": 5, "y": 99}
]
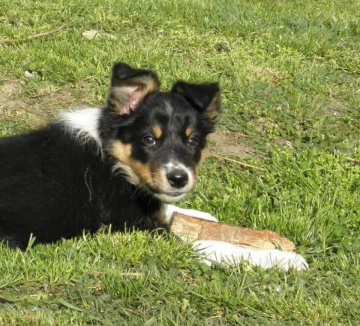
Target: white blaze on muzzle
[{"x": 178, "y": 180}]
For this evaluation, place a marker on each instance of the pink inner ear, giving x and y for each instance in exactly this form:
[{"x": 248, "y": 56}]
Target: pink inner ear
[
  {"x": 128, "y": 97},
  {"x": 134, "y": 96}
]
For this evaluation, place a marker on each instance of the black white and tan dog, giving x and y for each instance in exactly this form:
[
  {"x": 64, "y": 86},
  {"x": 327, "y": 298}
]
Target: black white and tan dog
[{"x": 119, "y": 165}]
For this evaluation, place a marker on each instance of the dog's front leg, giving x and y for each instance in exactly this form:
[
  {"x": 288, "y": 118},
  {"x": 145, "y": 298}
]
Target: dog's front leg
[
  {"x": 224, "y": 252},
  {"x": 167, "y": 211}
]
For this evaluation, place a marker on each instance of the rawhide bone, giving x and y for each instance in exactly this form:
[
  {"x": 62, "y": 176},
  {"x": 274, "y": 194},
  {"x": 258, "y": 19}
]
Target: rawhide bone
[{"x": 192, "y": 229}]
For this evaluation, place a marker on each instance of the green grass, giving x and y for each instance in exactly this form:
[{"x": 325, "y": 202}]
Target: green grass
[{"x": 290, "y": 76}]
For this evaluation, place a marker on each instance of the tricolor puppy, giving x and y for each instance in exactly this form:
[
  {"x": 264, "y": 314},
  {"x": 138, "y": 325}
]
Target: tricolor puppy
[{"x": 117, "y": 165}]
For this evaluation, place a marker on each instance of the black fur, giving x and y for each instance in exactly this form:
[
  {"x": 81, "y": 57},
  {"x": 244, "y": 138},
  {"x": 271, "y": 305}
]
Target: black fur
[{"x": 55, "y": 184}]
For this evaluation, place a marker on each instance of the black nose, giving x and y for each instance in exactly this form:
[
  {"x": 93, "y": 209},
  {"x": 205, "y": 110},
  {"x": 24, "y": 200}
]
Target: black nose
[{"x": 178, "y": 178}]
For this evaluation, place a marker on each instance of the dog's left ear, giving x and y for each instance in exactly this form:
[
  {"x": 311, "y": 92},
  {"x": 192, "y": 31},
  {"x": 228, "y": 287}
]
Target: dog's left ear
[
  {"x": 129, "y": 86},
  {"x": 203, "y": 97}
]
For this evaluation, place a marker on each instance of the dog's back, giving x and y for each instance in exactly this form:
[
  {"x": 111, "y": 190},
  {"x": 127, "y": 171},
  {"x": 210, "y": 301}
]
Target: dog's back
[{"x": 41, "y": 187}]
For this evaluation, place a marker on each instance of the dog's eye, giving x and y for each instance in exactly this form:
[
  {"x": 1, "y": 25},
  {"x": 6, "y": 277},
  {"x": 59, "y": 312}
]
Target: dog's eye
[
  {"x": 193, "y": 141},
  {"x": 149, "y": 140}
]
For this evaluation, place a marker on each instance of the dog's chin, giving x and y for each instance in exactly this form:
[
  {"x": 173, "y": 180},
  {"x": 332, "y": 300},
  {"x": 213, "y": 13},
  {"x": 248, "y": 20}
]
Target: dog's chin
[
  {"x": 171, "y": 197},
  {"x": 166, "y": 196}
]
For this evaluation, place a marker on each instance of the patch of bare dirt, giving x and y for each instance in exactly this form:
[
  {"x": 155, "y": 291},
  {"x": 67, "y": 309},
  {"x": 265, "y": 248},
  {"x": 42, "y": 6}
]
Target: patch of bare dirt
[
  {"x": 17, "y": 106},
  {"x": 10, "y": 89},
  {"x": 229, "y": 143}
]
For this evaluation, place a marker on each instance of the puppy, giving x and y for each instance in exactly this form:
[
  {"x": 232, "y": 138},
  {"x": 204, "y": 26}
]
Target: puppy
[{"x": 117, "y": 165}]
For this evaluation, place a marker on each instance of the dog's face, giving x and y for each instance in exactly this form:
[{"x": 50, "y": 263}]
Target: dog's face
[{"x": 158, "y": 138}]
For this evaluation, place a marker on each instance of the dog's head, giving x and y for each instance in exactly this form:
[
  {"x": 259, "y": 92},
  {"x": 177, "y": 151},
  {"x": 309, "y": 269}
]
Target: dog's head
[{"x": 158, "y": 138}]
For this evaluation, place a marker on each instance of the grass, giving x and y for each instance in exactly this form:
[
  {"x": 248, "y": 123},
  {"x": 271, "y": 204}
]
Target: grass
[{"x": 290, "y": 76}]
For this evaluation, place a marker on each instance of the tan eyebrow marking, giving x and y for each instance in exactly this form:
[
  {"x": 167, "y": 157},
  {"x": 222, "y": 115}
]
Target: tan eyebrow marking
[
  {"x": 188, "y": 131},
  {"x": 157, "y": 131}
]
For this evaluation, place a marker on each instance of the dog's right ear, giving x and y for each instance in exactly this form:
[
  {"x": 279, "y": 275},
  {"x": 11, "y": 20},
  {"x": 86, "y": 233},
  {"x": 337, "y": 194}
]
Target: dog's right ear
[{"x": 129, "y": 86}]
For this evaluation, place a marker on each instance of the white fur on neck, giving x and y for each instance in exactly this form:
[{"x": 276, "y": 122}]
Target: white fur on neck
[{"x": 83, "y": 124}]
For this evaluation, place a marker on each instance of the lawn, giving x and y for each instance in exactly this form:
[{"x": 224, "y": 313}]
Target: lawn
[{"x": 290, "y": 78}]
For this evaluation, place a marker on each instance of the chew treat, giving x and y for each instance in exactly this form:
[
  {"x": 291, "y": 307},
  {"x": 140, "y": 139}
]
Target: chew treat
[{"x": 191, "y": 228}]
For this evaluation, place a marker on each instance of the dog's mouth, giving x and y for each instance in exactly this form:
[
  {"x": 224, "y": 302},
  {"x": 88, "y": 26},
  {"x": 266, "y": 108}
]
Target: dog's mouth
[{"x": 172, "y": 196}]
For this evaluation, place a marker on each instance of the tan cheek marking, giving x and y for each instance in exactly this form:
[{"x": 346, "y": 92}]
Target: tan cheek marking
[
  {"x": 188, "y": 131},
  {"x": 157, "y": 131},
  {"x": 122, "y": 152},
  {"x": 142, "y": 171}
]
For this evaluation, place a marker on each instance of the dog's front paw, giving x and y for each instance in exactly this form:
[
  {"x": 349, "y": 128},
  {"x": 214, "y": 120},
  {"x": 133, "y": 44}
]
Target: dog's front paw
[
  {"x": 224, "y": 252},
  {"x": 286, "y": 260}
]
